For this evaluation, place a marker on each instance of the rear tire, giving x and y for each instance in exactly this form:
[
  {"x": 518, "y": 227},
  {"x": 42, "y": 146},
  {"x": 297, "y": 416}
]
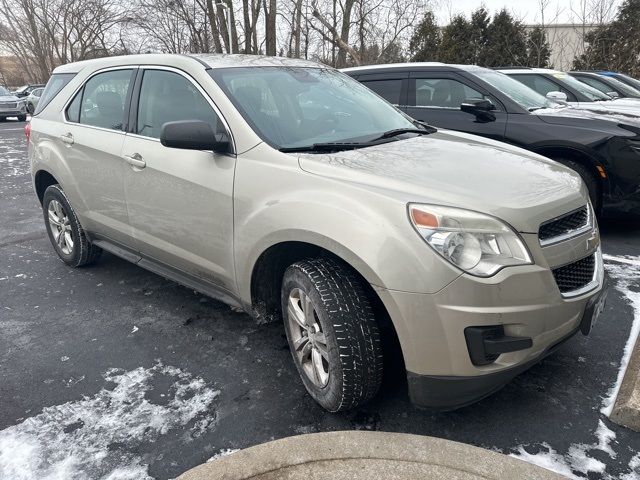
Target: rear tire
[
  {"x": 332, "y": 332},
  {"x": 30, "y": 108},
  {"x": 592, "y": 183},
  {"x": 65, "y": 232}
]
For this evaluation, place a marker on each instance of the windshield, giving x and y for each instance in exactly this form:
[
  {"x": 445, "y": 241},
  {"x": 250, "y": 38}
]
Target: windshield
[
  {"x": 516, "y": 91},
  {"x": 627, "y": 90},
  {"x": 292, "y": 107},
  {"x": 628, "y": 80},
  {"x": 593, "y": 94},
  {"x": 4, "y": 91},
  {"x": 22, "y": 89}
]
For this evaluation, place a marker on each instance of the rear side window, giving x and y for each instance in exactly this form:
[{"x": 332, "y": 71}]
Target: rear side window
[
  {"x": 101, "y": 101},
  {"x": 387, "y": 89},
  {"x": 56, "y": 83}
]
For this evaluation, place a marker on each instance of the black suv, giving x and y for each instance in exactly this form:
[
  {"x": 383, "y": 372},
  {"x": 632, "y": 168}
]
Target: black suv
[
  {"x": 604, "y": 150},
  {"x": 608, "y": 85}
]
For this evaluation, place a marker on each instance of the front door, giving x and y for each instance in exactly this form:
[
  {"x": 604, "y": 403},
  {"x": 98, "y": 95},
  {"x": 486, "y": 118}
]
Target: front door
[
  {"x": 436, "y": 99},
  {"x": 180, "y": 202}
]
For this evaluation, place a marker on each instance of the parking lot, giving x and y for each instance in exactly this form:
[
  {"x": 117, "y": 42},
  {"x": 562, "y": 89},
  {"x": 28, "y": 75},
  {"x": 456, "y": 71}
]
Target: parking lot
[{"x": 112, "y": 370}]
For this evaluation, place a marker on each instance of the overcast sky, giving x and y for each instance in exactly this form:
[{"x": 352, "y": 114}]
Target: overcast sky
[{"x": 557, "y": 11}]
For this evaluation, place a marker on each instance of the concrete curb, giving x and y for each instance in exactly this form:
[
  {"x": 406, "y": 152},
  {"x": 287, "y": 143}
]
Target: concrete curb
[
  {"x": 626, "y": 410},
  {"x": 358, "y": 455}
]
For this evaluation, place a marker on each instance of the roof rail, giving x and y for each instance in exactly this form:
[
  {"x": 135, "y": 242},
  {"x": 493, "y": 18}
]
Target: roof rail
[{"x": 511, "y": 68}]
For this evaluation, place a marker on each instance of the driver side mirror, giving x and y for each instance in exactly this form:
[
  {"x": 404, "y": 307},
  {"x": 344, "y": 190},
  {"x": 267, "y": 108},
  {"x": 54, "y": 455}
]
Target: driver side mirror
[
  {"x": 559, "y": 97},
  {"x": 613, "y": 94},
  {"x": 194, "y": 135},
  {"x": 480, "y": 108}
]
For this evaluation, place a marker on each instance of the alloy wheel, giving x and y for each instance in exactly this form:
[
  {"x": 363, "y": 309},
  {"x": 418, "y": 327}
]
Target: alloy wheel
[
  {"x": 307, "y": 338},
  {"x": 60, "y": 227}
]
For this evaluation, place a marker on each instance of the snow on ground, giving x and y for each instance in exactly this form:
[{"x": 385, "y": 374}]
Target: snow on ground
[
  {"x": 625, "y": 271},
  {"x": 94, "y": 437},
  {"x": 12, "y": 155},
  {"x": 223, "y": 453},
  {"x": 577, "y": 463}
]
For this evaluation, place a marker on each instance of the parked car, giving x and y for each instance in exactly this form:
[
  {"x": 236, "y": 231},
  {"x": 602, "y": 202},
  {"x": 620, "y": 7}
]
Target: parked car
[
  {"x": 562, "y": 87},
  {"x": 25, "y": 90},
  {"x": 11, "y": 106},
  {"x": 32, "y": 99},
  {"x": 634, "y": 82},
  {"x": 609, "y": 85},
  {"x": 288, "y": 189},
  {"x": 600, "y": 147}
]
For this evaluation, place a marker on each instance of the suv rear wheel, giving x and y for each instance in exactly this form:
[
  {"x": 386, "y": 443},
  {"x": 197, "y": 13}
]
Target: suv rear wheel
[
  {"x": 332, "y": 332},
  {"x": 65, "y": 232}
]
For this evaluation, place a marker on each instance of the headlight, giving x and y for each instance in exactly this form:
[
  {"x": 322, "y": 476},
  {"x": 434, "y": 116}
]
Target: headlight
[{"x": 476, "y": 243}]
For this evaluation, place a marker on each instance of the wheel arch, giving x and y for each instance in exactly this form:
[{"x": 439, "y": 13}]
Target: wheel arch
[{"x": 43, "y": 179}]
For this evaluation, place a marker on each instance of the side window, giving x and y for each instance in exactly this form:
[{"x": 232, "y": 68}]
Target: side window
[
  {"x": 101, "y": 101},
  {"x": 443, "y": 92},
  {"x": 169, "y": 97},
  {"x": 540, "y": 84},
  {"x": 387, "y": 89}
]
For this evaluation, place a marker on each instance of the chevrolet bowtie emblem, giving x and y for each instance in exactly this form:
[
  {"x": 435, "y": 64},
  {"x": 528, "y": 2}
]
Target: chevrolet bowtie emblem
[{"x": 594, "y": 239}]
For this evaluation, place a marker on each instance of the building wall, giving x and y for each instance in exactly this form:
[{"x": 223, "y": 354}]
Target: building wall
[{"x": 566, "y": 41}]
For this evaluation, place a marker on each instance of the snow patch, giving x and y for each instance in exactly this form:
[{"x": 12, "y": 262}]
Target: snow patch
[
  {"x": 223, "y": 453},
  {"x": 634, "y": 469},
  {"x": 551, "y": 460},
  {"x": 626, "y": 273},
  {"x": 94, "y": 437}
]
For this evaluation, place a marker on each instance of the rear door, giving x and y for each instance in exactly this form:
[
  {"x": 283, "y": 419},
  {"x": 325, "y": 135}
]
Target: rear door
[
  {"x": 92, "y": 138},
  {"x": 180, "y": 202},
  {"x": 390, "y": 86},
  {"x": 435, "y": 98}
]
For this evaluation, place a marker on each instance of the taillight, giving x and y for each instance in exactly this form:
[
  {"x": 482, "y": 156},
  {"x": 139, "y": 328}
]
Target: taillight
[{"x": 27, "y": 131}]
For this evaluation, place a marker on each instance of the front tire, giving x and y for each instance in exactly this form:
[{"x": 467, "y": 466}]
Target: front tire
[
  {"x": 592, "y": 183},
  {"x": 332, "y": 332},
  {"x": 22, "y": 118},
  {"x": 65, "y": 232}
]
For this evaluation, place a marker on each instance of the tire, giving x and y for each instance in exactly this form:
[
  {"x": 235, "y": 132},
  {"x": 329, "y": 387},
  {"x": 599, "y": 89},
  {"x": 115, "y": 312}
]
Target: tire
[
  {"x": 30, "y": 108},
  {"x": 22, "y": 118},
  {"x": 342, "y": 317},
  {"x": 72, "y": 246},
  {"x": 592, "y": 183}
]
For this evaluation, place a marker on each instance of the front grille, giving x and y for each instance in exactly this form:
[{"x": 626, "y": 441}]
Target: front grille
[
  {"x": 8, "y": 105},
  {"x": 575, "y": 275},
  {"x": 564, "y": 226}
]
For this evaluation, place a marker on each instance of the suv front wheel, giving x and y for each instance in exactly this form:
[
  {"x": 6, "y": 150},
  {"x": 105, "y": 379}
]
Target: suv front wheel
[
  {"x": 332, "y": 332},
  {"x": 65, "y": 232}
]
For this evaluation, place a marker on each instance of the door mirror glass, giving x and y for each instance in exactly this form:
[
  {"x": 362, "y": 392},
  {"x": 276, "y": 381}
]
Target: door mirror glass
[
  {"x": 481, "y": 108},
  {"x": 194, "y": 135},
  {"x": 557, "y": 96}
]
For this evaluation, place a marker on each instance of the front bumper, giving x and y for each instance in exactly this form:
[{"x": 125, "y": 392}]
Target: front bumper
[{"x": 524, "y": 301}]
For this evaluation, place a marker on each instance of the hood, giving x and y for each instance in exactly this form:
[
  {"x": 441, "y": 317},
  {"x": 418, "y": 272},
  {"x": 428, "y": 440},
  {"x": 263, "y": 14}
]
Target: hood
[
  {"x": 611, "y": 108},
  {"x": 9, "y": 98},
  {"x": 460, "y": 170},
  {"x": 591, "y": 112}
]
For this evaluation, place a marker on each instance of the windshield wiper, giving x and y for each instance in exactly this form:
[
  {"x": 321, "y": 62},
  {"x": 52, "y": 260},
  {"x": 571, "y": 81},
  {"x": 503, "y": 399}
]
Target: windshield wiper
[
  {"x": 328, "y": 147},
  {"x": 399, "y": 131}
]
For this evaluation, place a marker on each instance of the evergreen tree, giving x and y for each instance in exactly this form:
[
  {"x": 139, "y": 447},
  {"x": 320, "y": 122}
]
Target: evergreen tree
[
  {"x": 506, "y": 42},
  {"x": 480, "y": 21},
  {"x": 538, "y": 49},
  {"x": 454, "y": 47},
  {"x": 615, "y": 46},
  {"x": 425, "y": 41}
]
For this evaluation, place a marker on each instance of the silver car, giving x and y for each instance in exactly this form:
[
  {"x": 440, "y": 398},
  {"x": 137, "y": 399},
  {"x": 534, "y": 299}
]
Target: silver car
[
  {"x": 290, "y": 190},
  {"x": 12, "y": 106},
  {"x": 33, "y": 98}
]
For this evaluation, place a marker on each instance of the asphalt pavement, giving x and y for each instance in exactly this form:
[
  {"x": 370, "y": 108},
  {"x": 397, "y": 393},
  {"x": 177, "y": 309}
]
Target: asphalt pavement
[{"x": 112, "y": 370}]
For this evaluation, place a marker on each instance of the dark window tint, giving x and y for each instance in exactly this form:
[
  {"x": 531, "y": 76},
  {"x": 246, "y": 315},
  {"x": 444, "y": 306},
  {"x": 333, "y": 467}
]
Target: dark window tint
[
  {"x": 443, "y": 92},
  {"x": 168, "y": 97},
  {"x": 56, "y": 83},
  {"x": 540, "y": 84},
  {"x": 387, "y": 89},
  {"x": 103, "y": 99}
]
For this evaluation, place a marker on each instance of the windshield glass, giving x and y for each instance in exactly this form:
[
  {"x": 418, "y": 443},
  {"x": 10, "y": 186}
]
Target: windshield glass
[
  {"x": 4, "y": 91},
  {"x": 516, "y": 91},
  {"x": 593, "y": 94},
  {"x": 291, "y": 107},
  {"x": 628, "y": 80},
  {"x": 22, "y": 89},
  {"x": 627, "y": 90}
]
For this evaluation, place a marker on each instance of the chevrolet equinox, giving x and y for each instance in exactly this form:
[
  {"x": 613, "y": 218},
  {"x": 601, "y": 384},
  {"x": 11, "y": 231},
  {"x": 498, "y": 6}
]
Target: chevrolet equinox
[{"x": 290, "y": 190}]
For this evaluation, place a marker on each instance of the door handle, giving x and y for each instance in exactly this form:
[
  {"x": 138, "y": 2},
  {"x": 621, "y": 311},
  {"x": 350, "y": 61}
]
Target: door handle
[
  {"x": 135, "y": 160},
  {"x": 67, "y": 138}
]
